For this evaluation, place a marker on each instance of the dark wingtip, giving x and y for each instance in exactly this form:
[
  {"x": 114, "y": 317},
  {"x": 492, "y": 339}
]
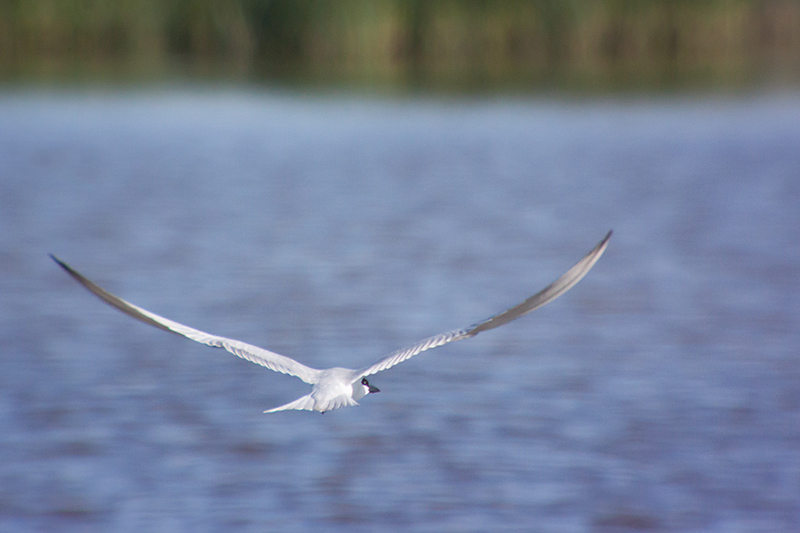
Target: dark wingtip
[
  {"x": 603, "y": 242},
  {"x": 60, "y": 263}
]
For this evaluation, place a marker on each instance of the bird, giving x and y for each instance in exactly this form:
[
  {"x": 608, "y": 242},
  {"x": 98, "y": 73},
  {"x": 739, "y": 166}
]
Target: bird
[{"x": 337, "y": 387}]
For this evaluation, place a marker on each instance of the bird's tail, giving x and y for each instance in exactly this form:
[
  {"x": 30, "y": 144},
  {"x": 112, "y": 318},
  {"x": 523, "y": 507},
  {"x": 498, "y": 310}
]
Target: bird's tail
[{"x": 304, "y": 403}]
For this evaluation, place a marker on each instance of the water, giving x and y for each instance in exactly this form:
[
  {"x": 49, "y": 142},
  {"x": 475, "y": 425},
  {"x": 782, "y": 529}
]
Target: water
[{"x": 662, "y": 393}]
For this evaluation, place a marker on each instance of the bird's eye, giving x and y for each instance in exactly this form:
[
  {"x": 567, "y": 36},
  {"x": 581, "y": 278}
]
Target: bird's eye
[{"x": 364, "y": 381}]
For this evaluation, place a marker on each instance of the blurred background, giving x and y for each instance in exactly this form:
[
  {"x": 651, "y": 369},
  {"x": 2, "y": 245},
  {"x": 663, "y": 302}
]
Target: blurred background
[
  {"x": 398, "y": 45},
  {"x": 335, "y": 180}
]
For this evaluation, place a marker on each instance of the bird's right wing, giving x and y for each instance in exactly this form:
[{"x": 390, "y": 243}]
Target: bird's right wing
[
  {"x": 260, "y": 356},
  {"x": 546, "y": 295}
]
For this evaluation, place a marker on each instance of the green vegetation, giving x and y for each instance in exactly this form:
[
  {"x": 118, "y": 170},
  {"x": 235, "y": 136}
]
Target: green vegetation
[{"x": 458, "y": 43}]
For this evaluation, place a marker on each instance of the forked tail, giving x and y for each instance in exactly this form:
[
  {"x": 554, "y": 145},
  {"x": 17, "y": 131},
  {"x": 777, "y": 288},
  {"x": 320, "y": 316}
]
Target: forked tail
[{"x": 304, "y": 403}]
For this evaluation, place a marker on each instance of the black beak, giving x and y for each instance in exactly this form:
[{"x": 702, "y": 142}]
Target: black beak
[{"x": 373, "y": 388}]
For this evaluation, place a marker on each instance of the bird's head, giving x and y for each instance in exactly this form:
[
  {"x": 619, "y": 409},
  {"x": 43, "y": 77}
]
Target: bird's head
[{"x": 368, "y": 389}]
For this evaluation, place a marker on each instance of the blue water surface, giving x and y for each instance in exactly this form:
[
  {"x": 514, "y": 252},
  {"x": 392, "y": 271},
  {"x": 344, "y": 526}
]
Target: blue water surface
[{"x": 661, "y": 394}]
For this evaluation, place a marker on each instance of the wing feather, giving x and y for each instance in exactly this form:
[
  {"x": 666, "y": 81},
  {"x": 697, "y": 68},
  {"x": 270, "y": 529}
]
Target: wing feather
[
  {"x": 545, "y": 296},
  {"x": 259, "y": 356}
]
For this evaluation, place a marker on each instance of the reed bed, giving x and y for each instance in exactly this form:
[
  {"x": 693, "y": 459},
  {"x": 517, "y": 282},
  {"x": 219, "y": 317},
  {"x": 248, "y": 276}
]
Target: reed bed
[{"x": 471, "y": 42}]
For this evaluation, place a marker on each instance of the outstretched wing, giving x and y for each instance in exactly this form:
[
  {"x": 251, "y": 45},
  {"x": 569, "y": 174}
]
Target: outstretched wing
[
  {"x": 260, "y": 356},
  {"x": 546, "y": 295}
]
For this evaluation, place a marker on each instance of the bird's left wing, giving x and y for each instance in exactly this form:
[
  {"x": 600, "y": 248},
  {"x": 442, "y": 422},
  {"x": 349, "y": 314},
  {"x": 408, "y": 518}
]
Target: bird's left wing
[
  {"x": 260, "y": 356},
  {"x": 546, "y": 295}
]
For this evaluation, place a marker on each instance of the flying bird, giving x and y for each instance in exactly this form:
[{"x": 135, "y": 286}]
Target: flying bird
[{"x": 337, "y": 387}]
